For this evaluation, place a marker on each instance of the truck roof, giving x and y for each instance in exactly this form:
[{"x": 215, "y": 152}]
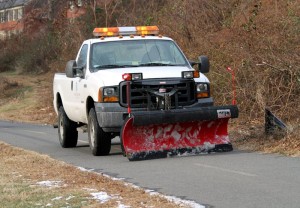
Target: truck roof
[{"x": 121, "y": 38}]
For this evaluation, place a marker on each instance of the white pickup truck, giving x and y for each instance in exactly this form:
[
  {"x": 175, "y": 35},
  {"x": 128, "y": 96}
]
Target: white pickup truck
[{"x": 92, "y": 91}]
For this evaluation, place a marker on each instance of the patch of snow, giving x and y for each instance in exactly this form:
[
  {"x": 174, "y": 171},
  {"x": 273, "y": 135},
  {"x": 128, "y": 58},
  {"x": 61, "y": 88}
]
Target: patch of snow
[
  {"x": 70, "y": 197},
  {"x": 57, "y": 198},
  {"x": 113, "y": 178},
  {"x": 176, "y": 200},
  {"x": 49, "y": 183},
  {"x": 101, "y": 196},
  {"x": 176, "y": 135},
  {"x": 189, "y": 203},
  {"x": 208, "y": 145},
  {"x": 122, "y": 205},
  {"x": 84, "y": 169},
  {"x": 48, "y": 205}
]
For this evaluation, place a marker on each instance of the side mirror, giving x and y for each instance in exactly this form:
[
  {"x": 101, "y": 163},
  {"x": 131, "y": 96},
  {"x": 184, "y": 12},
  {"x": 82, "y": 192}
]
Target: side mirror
[
  {"x": 203, "y": 64},
  {"x": 70, "y": 69}
]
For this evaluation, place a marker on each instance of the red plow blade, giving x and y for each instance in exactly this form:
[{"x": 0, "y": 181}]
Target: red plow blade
[{"x": 143, "y": 138}]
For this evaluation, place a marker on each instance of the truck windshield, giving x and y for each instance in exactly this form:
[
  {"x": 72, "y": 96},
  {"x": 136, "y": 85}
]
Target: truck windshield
[{"x": 135, "y": 53}]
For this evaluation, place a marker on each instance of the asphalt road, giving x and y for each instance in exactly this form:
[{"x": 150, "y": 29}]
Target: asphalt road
[{"x": 234, "y": 179}]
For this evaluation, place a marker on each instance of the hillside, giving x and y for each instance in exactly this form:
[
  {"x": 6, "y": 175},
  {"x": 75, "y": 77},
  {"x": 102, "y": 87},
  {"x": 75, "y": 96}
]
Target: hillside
[{"x": 257, "y": 39}]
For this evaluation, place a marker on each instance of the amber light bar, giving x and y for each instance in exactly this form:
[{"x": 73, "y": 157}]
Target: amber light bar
[{"x": 125, "y": 31}]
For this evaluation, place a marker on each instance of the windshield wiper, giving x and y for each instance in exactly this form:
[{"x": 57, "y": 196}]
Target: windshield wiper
[
  {"x": 157, "y": 64},
  {"x": 111, "y": 66}
]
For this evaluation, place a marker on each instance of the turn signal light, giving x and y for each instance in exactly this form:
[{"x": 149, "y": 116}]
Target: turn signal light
[
  {"x": 111, "y": 99},
  {"x": 202, "y": 95}
]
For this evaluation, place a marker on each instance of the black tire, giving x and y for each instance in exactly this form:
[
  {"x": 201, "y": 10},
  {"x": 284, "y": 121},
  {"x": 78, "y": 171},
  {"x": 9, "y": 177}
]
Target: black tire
[
  {"x": 100, "y": 141},
  {"x": 67, "y": 130}
]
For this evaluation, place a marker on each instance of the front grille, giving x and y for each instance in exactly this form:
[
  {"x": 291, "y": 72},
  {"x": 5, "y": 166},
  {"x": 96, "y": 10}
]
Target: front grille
[{"x": 142, "y": 96}]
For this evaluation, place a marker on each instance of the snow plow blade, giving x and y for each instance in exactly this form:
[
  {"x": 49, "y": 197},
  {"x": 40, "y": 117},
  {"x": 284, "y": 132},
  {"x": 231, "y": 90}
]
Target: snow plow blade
[{"x": 155, "y": 134}]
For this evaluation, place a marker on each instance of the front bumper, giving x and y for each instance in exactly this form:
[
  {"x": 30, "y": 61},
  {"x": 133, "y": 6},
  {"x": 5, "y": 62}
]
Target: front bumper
[
  {"x": 111, "y": 115},
  {"x": 144, "y": 118}
]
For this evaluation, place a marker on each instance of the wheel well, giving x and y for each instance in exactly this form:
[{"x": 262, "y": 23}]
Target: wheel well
[
  {"x": 58, "y": 101},
  {"x": 89, "y": 105}
]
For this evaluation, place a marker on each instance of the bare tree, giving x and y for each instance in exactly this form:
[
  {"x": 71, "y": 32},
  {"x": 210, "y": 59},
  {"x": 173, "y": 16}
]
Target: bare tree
[{"x": 50, "y": 10}]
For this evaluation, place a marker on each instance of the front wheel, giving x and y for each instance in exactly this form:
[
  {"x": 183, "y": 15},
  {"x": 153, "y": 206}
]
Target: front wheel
[
  {"x": 100, "y": 141},
  {"x": 67, "y": 130}
]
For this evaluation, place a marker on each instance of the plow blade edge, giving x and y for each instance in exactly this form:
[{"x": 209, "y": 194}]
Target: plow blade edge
[{"x": 151, "y": 134}]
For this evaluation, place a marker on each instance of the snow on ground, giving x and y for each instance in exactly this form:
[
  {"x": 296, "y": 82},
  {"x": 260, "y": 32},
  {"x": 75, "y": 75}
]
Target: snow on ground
[
  {"x": 50, "y": 183},
  {"x": 176, "y": 200},
  {"x": 103, "y": 197},
  {"x": 57, "y": 198}
]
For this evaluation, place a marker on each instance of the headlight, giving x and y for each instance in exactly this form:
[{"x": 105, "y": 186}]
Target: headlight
[
  {"x": 202, "y": 90},
  {"x": 201, "y": 87},
  {"x": 108, "y": 94},
  {"x": 136, "y": 76},
  {"x": 109, "y": 91},
  {"x": 190, "y": 74}
]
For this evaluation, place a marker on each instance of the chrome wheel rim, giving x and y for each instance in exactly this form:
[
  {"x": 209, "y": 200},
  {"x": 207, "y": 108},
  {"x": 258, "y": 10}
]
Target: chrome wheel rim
[
  {"x": 61, "y": 128},
  {"x": 92, "y": 133}
]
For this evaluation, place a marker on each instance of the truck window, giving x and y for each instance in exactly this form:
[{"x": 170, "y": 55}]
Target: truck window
[
  {"x": 82, "y": 56},
  {"x": 134, "y": 53}
]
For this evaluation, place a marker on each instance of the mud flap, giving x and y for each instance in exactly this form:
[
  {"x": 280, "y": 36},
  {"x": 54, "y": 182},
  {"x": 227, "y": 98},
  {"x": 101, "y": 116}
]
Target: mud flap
[{"x": 152, "y": 134}]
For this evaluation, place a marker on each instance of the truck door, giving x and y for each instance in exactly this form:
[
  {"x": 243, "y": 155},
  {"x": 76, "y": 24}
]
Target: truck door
[{"x": 78, "y": 87}]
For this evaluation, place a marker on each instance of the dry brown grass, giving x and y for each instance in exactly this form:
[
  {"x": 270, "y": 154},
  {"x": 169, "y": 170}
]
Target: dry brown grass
[
  {"x": 21, "y": 171},
  {"x": 27, "y": 98},
  {"x": 251, "y": 136}
]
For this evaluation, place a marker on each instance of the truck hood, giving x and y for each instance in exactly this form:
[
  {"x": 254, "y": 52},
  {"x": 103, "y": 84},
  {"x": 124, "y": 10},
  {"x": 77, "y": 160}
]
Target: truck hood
[{"x": 110, "y": 77}]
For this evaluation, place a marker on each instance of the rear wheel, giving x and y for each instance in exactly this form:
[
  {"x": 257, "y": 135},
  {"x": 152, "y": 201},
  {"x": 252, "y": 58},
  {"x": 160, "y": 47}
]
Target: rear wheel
[
  {"x": 100, "y": 141},
  {"x": 67, "y": 130}
]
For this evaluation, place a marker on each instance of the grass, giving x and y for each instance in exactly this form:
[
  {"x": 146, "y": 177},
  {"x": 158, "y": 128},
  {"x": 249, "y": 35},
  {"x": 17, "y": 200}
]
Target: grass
[
  {"x": 28, "y": 179},
  {"x": 252, "y": 137},
  {"x": 20, "y": 193},
  {"x": 19, "y": 184},
  {"x": 27, "y": 99}
]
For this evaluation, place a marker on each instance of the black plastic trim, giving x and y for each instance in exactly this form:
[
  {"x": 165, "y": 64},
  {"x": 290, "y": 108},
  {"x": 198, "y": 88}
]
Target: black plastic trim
[{"x": 142, "y": 118}]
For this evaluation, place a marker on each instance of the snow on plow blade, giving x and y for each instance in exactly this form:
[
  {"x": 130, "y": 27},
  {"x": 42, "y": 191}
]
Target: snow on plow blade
[{"x": 152, "y": 134}]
